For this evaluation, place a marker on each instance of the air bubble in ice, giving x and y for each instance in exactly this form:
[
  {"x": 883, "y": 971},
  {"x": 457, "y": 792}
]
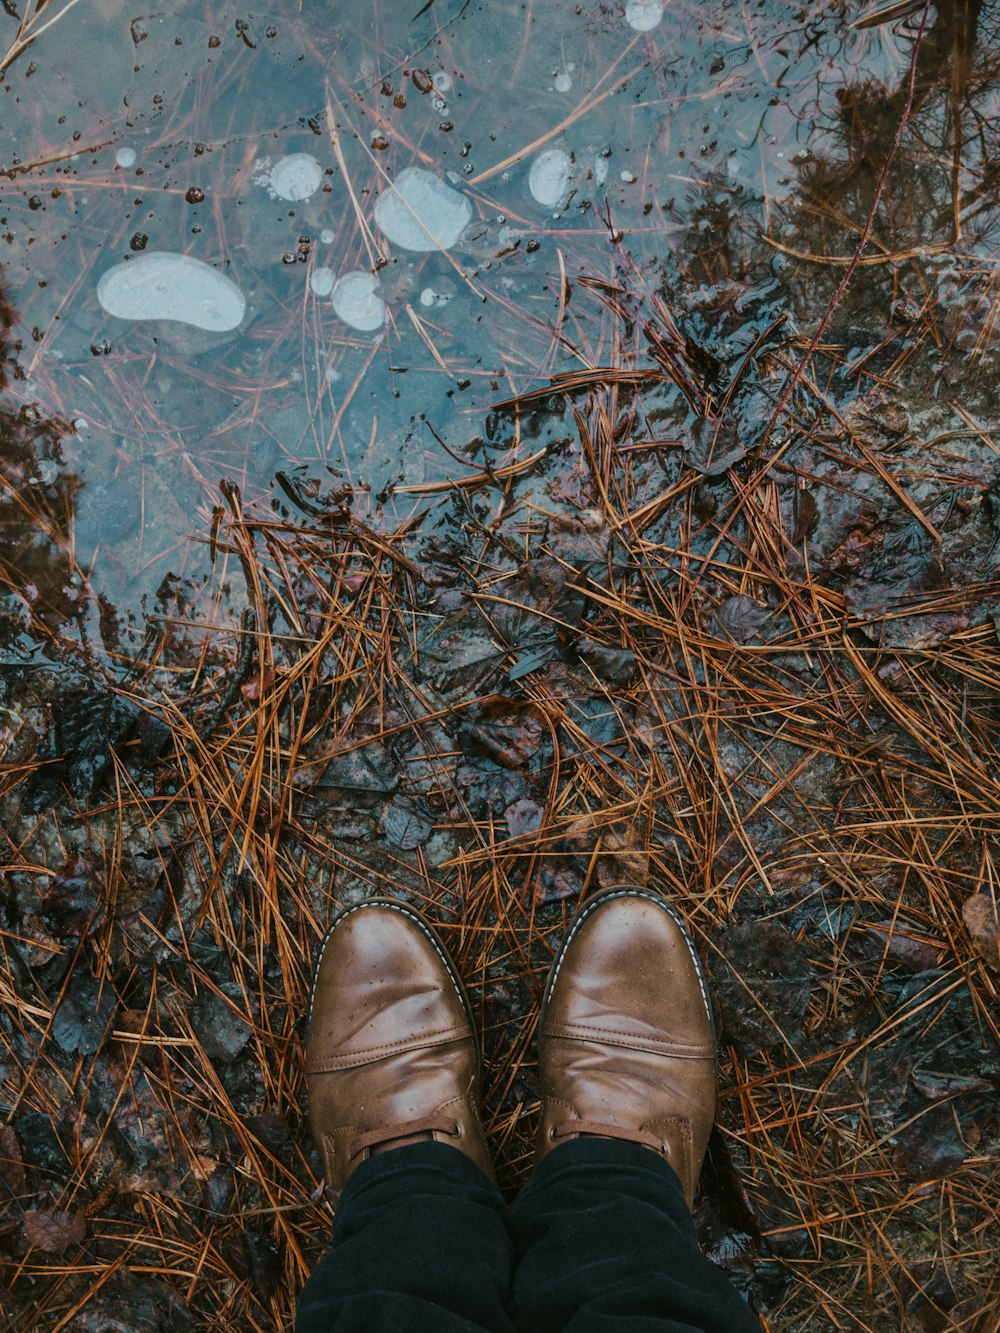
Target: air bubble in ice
[
  {"x": 417, "y": 211},
  {"x": 321, "y": 280},
  {"x": 160, "y": 285},
  {"x": 126, "y": 157},
  {"x": 328, "y": 236},
  {"x": 296, "y": 177},
  {"x": 441, "y": 80},
  {"x": 548, "y": 179},
  {"x": 643, "y": 14},
  {"x": 563, "y": 82},
  {"x": 356, "y": 301},
  {"x": 433, "y": 298}
]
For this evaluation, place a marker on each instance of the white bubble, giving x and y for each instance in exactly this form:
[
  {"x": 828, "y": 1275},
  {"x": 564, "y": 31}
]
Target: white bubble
[
  {"x": 563, "y": 83},
  {"x": 126, "y": 157},
  {"x": 441, "y": 80},
  {"x": 356, "y": 301},
  {"x": 417, "y": 211},
  {"x": 81, "y": 423},
  {"x": 548, "y": 179},
  {"x": 328, "y": 236},
  {"x": 628, "y": 177},
  {"x": 433, "y": 298},
  {"x": 296, "y": 177},
  {"x": 160, "y": 285},
  {"x": 643, "y": 14},
  {"x": 600, "y": 169},
  {"x": 321, "y": 280}
]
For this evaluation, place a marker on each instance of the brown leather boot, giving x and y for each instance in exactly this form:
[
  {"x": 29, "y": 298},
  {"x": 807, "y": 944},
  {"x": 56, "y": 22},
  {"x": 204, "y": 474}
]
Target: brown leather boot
[
  {"x": 627, "y": 1044},
  {"x": 392, "y": 1048}
]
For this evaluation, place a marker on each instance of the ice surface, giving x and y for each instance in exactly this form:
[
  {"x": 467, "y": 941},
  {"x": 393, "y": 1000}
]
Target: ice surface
[
  {"x": 161, "y": 285},
  {"x": 356, "y": 301},
  {"x": 296, "y": 177},
  {"x": 643, "y": 14},
  {"x": 549, "y": 177},
  {"x": 417, "y": 211}
]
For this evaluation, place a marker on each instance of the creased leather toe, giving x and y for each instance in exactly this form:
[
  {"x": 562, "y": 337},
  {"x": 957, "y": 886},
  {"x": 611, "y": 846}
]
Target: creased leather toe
[
  {"x": 627, "y": 1045},
  {"x": 391, "y": 1048}
]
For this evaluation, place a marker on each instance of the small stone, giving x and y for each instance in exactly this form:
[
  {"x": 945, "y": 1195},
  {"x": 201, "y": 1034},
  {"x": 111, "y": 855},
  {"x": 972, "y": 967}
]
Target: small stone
[{"x": 762, "y": 982}]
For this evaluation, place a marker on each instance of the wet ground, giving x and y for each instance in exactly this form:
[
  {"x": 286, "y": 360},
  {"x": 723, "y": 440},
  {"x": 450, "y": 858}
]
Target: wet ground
[{"x": 483, "y": 454}]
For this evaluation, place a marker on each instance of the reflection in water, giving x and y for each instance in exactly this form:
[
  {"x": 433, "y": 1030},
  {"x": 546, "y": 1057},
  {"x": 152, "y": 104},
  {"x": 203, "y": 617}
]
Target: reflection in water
[{"x": 40, "y": 588}]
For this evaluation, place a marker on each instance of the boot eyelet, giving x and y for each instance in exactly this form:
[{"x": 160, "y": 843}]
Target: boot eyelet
[{"x": 553, "y": 1133}]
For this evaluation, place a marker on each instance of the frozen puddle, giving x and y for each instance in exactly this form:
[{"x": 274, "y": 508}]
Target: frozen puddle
[
  {"x": 159, "y": 285},
  {"x": 296, "y": 177},
  {"x": 418, "y": 211},
  {"x": 356, "y": 301},
  {"x": 548, "y": 179}
]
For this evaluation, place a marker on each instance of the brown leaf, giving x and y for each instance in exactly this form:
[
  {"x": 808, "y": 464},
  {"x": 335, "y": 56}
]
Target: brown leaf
[
  {"x": 980, "y": 916},
  {"x": 53, "y": 1231},
  {"x": 524, "y": 816},
  {"x": 11, "y": 1160},
  {"x": 508, "y": 731}
]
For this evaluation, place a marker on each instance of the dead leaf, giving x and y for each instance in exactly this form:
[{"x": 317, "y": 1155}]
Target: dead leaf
[
  {"x": 11, "y": 1160},
  {"x": 980, "y": 916},
  {"x": 508, "y": 731},
  {"x": 523, "y": 816},
  {"x": 53, "y": 1231}
]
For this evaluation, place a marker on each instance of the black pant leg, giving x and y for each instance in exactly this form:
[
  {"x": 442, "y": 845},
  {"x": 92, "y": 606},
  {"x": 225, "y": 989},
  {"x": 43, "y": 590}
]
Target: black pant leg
[
  {"x": 606, "y": 1244},
  {"x": 421, "y": 1244}
]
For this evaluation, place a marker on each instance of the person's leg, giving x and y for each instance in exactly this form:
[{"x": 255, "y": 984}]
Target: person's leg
[
  {"x": 420, "y": 1238},
  {"x": 420, "y": 1242},
  {"x": 627, "y": 1071},
  {"x": 606, "y": 1242}
]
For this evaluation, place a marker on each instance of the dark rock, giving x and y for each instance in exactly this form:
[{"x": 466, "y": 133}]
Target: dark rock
[{"x": 762, "y": 981}]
